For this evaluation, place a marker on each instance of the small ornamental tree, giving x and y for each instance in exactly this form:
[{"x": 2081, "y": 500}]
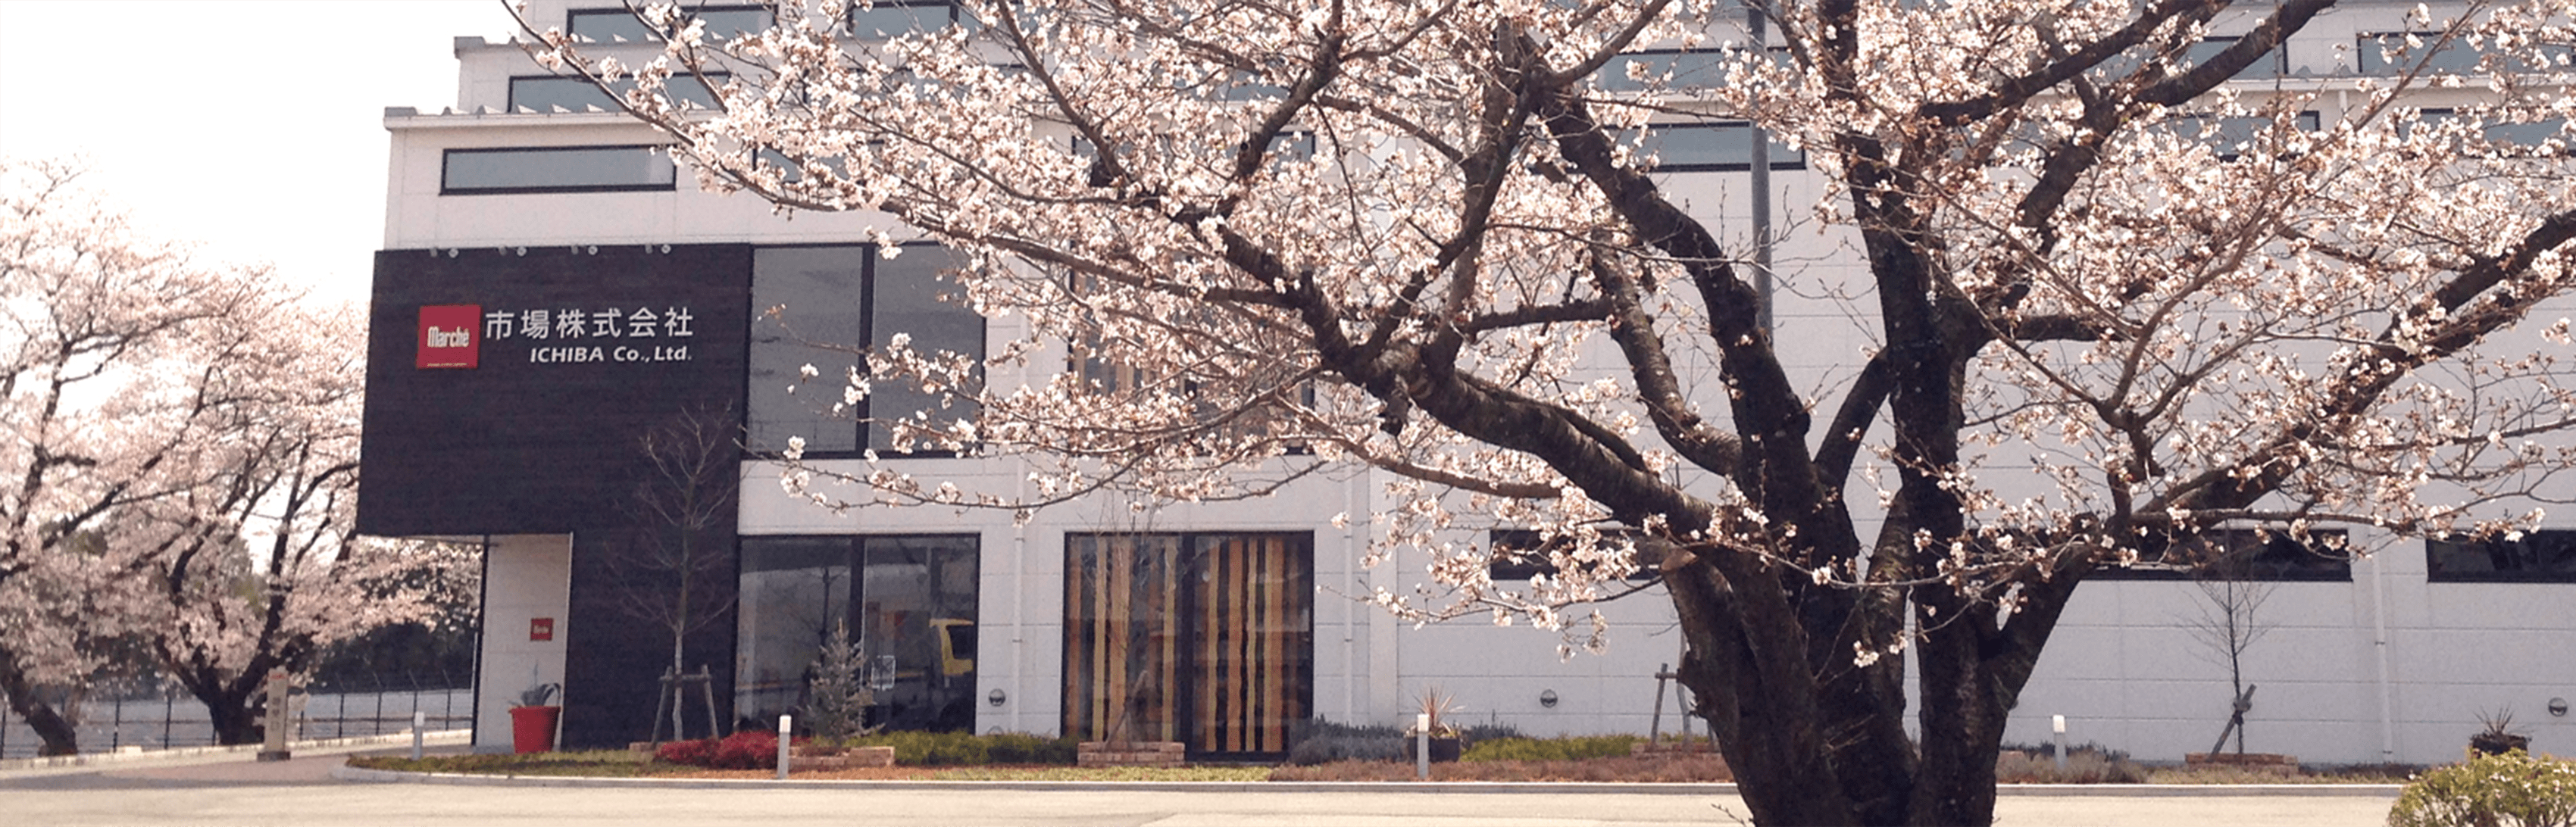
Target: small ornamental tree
[
  {"x": 2076, "y": 321},
  {"x": 675, "y": 574},
  {"x": 837, "y": 696}
]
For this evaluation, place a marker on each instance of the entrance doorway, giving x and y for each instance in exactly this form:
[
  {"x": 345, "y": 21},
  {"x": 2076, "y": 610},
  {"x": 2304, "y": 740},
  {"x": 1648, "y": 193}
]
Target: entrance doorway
[{"x": 1206, "y": 639}]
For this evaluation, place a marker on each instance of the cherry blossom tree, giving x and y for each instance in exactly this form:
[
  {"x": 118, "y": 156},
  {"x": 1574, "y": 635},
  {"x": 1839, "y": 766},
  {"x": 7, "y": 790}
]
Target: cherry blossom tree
[
  {"x": 253, "y": 566},
  {"x": 1429, "y": 238},
  {"x": 181, "y": 450}
]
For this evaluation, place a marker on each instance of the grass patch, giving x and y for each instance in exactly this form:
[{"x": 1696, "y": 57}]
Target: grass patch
[
  {"x": 1561, "y": 748},
  {"x": 1696, "y": 767},
  {"x": 966, "y": 749},
  {"x": 579, "y": 764},
  {"x": 2339, "y": 774},
  {"x": 1102, "y": 774}
]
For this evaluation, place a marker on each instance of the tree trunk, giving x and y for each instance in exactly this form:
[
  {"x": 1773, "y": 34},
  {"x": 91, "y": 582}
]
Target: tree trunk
[
  {"x": 234, "y": 721},
  {"x": 56, "y": 731}
]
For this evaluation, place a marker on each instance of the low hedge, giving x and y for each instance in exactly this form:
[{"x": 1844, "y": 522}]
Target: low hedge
[
  {"x": 959, "y": 749},
  {"x": 1561, "y": 748}
]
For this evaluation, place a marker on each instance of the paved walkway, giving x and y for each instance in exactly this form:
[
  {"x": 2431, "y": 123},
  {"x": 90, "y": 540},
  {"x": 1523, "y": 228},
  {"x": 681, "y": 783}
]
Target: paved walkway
[{"x": 304, "y": 791}]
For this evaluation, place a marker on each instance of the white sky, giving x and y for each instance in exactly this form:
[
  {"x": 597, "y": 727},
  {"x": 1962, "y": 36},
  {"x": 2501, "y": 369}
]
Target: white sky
[{"x": 253, "y": 128}]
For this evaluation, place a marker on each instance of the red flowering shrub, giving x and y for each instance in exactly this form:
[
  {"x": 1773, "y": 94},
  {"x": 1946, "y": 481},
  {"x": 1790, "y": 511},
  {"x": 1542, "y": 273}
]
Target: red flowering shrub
[
  {"x": 698, "y": 753},
  {"x": 750, "y": 749}
]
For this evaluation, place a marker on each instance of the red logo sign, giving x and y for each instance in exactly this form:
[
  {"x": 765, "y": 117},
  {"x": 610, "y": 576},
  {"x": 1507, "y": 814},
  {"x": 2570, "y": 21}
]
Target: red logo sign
[
  {"x": 541, "y": 628},
  {"x": 447, "y": 336}
]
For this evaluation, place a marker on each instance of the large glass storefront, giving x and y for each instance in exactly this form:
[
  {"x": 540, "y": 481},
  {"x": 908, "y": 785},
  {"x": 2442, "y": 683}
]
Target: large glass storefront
[
  {"x": 909, "y": 602},
  {"x": 1206, "y": 639}
]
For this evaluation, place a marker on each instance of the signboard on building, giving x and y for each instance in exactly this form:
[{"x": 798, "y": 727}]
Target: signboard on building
[
  {"x": 508, "y": 389},
  {"x": 447, "y": 337}
]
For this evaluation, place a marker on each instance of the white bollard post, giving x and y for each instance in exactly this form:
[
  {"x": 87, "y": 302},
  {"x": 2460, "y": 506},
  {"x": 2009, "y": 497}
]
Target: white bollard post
[
  {"x": 419, "y": 721},
  {"x": 2058, "y": 723},
  {"x": 1422, "y": 746},
  {"x": 786, "y": 730}
]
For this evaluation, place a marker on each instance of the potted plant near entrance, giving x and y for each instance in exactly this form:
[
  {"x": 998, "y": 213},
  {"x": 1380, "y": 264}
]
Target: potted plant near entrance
[
  {"x": 1446, "y": 744},
  {"x": 2498, "y": 737},
  {"x": 533, "y": 718}
]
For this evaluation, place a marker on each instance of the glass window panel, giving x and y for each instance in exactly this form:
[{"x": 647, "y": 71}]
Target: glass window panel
[
  {"x": 793, "y": 590},
  {"x": 894, "y": 18},
  {"x": 2540, "y": 556},
  {"x": 2265, "y": 67},
  {"x": 911, "y": 605},
  {"x": 2387, "y": 53},
  {"x": 543, "y": 94},
  {"x": 2230, "y": 136},
  {"x": 1701, "y": 147},
  {"x": 818, "y": 293},
  {"x": 916, "y": 605},
  {"x": 612, "y": 25},
  {"x": 2534, "y": 134},
  {"x": 2241, "y": 554},
  {"x": 909, "y": 291},
  {"x": 608, "y": 25},
  {"x": 560, "y": 169},
  {"x": 1673, "y": 69}
]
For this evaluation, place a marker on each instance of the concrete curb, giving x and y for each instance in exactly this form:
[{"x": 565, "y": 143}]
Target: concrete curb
[
  {"x": 345, "y": 772},
  {"x": 100, "y": 760}
]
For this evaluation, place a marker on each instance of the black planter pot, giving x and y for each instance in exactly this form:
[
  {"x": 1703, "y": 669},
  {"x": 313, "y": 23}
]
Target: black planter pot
[
  {"x": 2491, "y": 743},
  {"x": 1442, "y": 749}
]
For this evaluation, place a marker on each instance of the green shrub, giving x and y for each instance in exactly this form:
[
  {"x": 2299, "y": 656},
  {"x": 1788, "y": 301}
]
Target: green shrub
[
  {"x": 2085, "y": 764},
  {"x": 1320, "y": 741},
  {"x": 959, "y": 749},
  {"x": 1562, "y": 748},
  {"x": 2510, "y": 790}
]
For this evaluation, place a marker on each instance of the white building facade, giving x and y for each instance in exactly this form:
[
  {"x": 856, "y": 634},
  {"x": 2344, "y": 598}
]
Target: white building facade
[{"x": 1233, "y": 621}]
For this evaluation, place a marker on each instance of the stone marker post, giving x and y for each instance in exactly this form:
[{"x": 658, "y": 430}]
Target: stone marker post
[{"x": 274, "y": 749}]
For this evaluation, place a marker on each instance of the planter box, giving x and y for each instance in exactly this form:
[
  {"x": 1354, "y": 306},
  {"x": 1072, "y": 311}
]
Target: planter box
[
  {"x": 2257, "y": 761},
  {"x": 1442, "y": 749},
  {"x": 1130, "y": 754},
  {"x": 804, "y": 759}
]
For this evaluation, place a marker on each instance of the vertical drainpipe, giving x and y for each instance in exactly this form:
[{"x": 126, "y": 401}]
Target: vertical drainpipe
[
  {"x": 1019, "y": 699},
  {"x": 1757, "y": 30},
  {"x": 2379, "y": 645},
  {"x": 1350, "y": 611}
]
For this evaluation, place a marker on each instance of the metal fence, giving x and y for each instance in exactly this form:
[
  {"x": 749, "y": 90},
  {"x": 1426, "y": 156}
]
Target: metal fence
[{"x": 156, "y": 714}]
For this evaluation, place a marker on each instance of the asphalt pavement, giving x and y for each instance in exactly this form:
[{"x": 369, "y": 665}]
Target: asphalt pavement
[{"x": 313, "y": 789}]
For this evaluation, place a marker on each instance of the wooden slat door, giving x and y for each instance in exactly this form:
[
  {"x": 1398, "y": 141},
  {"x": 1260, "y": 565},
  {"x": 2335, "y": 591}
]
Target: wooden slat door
[{"x": 1204, "y": 639}]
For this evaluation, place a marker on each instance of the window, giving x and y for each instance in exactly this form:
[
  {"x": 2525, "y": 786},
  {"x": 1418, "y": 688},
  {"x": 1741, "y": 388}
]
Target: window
[
  {"x": 2539, "y": 556},
  {"x": 895, "y": 18},
  {"x": 1206, "y": 639},
  {"x": 2387, "y": 53},
  {"x": 831, "y": 301},
  {"x": 1668, "y": 68},
  {"x": 543, "y": 93},
  {"x": 556, "y": 169},
  {"x": 1519, "y": 555},
  {"x": 2535, "y": 134},
  {"x": 2240, "y": 554},
  {"x": 2230, "y": 136},
  {"x": 1724, "y": 146},
  {"x": 2269, "y": 66},
  {"x": 614, "y": 25},
  {"x": 909, "y": 602}
]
